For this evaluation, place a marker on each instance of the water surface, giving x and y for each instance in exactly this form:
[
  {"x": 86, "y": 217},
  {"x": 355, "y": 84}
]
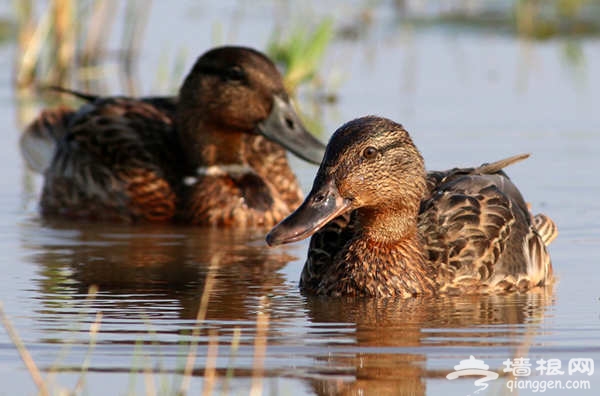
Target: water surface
[{"x": 467, "y": 98}]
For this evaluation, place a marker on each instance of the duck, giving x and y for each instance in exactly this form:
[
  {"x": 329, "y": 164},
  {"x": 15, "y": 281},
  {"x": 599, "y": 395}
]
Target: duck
[
  {"x": 213, "y": 155},
  {"x": 381, "y": 226}
]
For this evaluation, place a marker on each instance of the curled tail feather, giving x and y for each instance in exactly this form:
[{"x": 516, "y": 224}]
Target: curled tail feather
[
  {"x": 545, "y": 227},
  {"x": 38, "y": 141}
]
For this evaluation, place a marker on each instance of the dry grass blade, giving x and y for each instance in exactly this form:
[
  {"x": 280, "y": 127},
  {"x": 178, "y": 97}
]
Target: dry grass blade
[
  {"x": 25, "y": 355},
  {"x": 101, "y": 19},
  {"x": 210, "y": 373},
  {"x": 260, "y": 348},
  {"x": 200, "y": 316},
  {"x": 63, "y": 39},
  {"x": 136, "y": 17},
  {"x": 31, "y": 47}
]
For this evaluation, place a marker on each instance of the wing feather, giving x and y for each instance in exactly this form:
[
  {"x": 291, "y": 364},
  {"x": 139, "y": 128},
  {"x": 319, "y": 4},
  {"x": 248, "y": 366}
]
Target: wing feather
[
  {"x": 475, "y": 232},
  {"x": 115, "y": 162}
]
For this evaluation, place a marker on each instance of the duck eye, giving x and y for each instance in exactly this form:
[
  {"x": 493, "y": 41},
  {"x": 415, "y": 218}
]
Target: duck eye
[
  {"x": 235, "y": 73},
  {"x": 370, "y": 152},
  {"x": 319, "y": 198}
]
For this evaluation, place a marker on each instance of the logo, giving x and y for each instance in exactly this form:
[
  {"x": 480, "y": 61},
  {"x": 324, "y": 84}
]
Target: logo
[
  {"x": 543, "y": 373},
  {"x": 474, "y": 366}
]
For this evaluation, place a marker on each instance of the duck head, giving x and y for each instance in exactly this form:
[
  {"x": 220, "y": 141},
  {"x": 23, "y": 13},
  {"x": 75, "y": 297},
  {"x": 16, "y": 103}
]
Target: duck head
[
  {"x": 233, "y": 90},
  {"x": 371, "y": 166}
]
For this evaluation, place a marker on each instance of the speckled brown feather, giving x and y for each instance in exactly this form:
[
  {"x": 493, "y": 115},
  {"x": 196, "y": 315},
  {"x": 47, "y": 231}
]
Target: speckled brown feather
[
  {"x": 51, "y": 124},
  {"x": 115, "y": 163},
  {"x": 479, "y": 237},
  {"x": 256, "y": 199},
  {"x": 260, "y": 198},
  {"x": 545, "y": 227},
  {"x": 474, "y": 233},
  {"x": 269, "y": 161}
]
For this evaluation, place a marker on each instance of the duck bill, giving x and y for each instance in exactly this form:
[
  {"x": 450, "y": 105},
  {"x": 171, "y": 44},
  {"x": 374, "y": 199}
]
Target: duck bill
[
  {"x": 283, "y": 126},
  {"x": 318, "y": 209}
]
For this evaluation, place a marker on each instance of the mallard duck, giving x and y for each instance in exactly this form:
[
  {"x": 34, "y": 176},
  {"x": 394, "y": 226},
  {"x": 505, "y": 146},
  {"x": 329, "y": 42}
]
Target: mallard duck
[
  {"x": 213, "y": 155},
  {"x": 381, "y": 226}
]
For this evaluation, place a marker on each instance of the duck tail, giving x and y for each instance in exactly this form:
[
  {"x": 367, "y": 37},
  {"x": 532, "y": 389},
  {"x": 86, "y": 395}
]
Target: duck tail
[
  {"x": 545, "y": 227},
  {"x": 81, "y": 95},
  {"x": 38, "y": 141},
  {"x": 494, "y": 167}
]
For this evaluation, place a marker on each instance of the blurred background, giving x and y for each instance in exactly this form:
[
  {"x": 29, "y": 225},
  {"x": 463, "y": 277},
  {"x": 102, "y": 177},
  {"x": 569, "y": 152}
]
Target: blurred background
[
  {"x": 472, "y": 80},
  {"x": 329, "y": 51}
]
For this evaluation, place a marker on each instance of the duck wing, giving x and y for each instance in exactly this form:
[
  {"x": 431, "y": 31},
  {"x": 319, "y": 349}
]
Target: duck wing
[
  {"x": 167, "y": 104},
  {"x": 39, "y": 140},
  {"x": 543, "y": 224},
  {"x": 115, "y": 161},
  {"x": 436, "y": 178},
  {"x": 478, "y": 233}
]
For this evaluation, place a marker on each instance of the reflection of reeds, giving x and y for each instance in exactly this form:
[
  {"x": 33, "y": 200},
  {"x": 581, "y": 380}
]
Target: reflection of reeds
[
  {"x": 235, "y": 344},
  {"x": 43, "y": 385},
  {"x": 94, "y": 328},
  {"x": 200, "y": 316},
  {"x": 210, "y": 374},
  {"x": 93, "y": 331},
  {"x": 260, "y": 348}
]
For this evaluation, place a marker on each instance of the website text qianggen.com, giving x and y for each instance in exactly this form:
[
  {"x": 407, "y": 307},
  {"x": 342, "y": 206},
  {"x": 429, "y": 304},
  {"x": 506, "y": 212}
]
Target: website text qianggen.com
[{"x": 542, "y": 385}]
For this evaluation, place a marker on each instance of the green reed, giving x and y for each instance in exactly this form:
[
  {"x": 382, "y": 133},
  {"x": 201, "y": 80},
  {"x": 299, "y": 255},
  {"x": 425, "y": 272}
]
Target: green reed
[{"x": 300, "y": 52}]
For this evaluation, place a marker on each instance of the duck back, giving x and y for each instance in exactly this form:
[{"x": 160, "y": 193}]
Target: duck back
[
  {"x": 116, "y": 162},
  {"x": 477, "y": 231}
]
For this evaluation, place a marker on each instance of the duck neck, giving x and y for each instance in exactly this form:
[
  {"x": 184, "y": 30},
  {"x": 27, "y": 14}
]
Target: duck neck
[
  {"x": 205, "y": 145},
  {"x": 389, "y": 225},
  {"x": 389, "y": 240}
]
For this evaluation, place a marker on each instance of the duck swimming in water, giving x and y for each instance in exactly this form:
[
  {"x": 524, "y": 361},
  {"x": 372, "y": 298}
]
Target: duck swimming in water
[
  {"x": 214, "y": 155},
  {"x": 381, "y": 226}
]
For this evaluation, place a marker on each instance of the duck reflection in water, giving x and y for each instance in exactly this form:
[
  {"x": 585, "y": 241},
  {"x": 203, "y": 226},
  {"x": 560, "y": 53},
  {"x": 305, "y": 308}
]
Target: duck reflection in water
[
  {"x": 159, "y": 265},
  {"x": 391, "y": 331},
  {"x": 365, "y": 346}
]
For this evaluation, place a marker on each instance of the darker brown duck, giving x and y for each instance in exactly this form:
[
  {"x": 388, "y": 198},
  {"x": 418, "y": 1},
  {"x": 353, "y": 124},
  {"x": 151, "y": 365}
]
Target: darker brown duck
[
  {"x": 381, "y": 226},
  {"x": 214, "y": 155}
]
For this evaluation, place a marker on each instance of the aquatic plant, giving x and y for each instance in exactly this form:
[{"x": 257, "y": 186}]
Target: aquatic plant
[
  {"x": 68, "y": 39},
  {"x": 535, "y": 19},
  {"x": 300, "y": 52}
]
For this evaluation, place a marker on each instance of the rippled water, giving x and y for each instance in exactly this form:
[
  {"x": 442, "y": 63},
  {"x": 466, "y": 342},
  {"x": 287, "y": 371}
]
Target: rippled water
[{"x": 466, "y": 98}]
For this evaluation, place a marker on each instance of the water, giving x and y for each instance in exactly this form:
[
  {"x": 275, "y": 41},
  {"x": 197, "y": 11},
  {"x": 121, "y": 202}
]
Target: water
[{"x": 467, "y": 98}]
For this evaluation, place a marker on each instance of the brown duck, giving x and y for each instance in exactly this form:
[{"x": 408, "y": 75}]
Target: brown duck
[
  {"x": 214, "y": 155},
  {"x": 381, "y": 226}
]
